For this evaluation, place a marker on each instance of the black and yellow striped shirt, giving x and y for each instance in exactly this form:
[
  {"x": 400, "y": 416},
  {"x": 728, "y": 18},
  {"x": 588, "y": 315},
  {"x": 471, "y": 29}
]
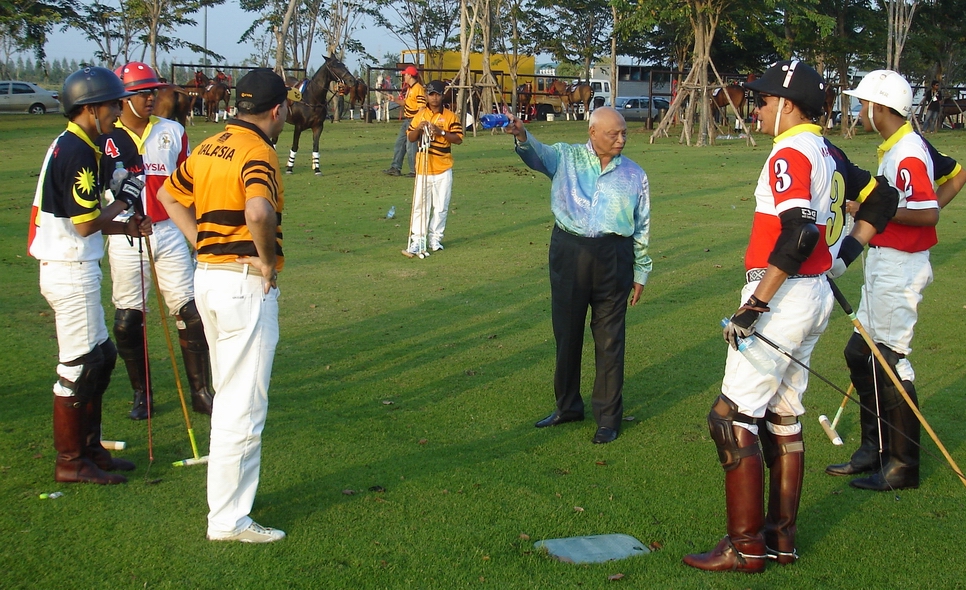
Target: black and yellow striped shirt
[{"x": 218, "y": 178}]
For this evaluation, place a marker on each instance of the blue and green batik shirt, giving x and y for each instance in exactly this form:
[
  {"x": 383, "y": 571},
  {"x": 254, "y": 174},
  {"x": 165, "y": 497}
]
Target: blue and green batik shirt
[{"x": 589, "y": 202}]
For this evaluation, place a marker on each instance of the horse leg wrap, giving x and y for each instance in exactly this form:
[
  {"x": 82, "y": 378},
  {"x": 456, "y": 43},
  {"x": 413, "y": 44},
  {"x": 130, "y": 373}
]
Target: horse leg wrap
[
  {"x": 315, "y": 163},
  {"x": 291, "y": 160}
]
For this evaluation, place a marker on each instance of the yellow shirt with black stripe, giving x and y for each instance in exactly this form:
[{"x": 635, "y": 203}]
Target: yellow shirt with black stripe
[
  {"x": 415, "y": 100},
  {"x": 440, "y": 150},
  {"x": 218, "y": 178}
]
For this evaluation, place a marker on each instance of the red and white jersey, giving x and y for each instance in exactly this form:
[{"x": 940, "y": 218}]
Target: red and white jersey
[
  {"x": 904, "y": 160},
  {"x": 153, "y": 157},
  {"x": 803, "y": 171}
]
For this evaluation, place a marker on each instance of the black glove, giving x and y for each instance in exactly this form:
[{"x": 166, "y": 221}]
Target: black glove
[
  {"x": 128, "y": 191},
  {"x": 742, "y": 324}
]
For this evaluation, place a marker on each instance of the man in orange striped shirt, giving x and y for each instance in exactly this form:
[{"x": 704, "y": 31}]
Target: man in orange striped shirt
[{"x": 227, "y": 199}]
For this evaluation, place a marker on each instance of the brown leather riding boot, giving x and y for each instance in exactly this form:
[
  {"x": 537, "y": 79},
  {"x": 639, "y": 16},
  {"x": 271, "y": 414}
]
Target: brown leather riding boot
[
  {"x": 70, "y": 432},
  {"x": 786, "y": 472},
  {"x": 743, "y": 550},
  {"x": 93, "y": 448}
]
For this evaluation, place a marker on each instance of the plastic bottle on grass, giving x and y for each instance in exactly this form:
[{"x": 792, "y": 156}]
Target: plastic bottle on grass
[
  {"x": 391, "y": 213},
  {"x": 494, "y": 120},
  {"x": 754, "y": 351}
]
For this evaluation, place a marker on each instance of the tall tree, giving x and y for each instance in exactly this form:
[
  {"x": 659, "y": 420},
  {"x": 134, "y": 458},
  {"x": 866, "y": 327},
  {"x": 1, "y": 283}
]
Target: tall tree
[
  {"x": 576, "y": 31},
  {"x": 29, "y": 22}
]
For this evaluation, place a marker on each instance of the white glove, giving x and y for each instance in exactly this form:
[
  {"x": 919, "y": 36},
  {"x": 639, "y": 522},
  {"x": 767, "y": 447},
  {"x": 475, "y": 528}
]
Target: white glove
[{"x": 837, "y": 270}]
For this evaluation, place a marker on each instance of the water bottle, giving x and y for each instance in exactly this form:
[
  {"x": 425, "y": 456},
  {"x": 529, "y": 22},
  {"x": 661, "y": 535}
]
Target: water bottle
[
  {"x": 494, "y": 120},
  {"x": 120, "y": 175},
  {"x": 754, "y": 351},
  {"x": 391, "y": 213}
]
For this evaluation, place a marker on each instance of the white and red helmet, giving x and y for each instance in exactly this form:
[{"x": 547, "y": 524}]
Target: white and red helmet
[{"x": 138, "y": 76}]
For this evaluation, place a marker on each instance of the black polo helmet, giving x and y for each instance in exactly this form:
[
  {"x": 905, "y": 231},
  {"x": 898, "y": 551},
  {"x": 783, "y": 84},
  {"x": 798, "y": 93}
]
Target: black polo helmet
[
  {"x": 794, "y": 80},
  {"x": 91, "y": 85}
]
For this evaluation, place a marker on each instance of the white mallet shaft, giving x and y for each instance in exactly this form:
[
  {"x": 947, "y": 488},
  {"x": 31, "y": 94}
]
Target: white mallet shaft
[
  {"x": 187, "y": 462},
  {"x": 114, "y": 445},
  {"x": 829, "y": 431}
]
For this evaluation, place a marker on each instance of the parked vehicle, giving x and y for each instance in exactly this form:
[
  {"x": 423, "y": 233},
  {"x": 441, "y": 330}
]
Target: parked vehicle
[
  {"x": 641, "y": 108},
  {"x": 26, "y": 97}
]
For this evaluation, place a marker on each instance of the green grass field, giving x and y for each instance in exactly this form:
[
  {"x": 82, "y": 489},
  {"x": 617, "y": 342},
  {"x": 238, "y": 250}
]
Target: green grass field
[{"x": 424, "y": 377}]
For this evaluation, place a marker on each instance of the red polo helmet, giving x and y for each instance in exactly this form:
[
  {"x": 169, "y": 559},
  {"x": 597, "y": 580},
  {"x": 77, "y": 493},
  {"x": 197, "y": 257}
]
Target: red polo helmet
[{"x": 138, "y": 76}]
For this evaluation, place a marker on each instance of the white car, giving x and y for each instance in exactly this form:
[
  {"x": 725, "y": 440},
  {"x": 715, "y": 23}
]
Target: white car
[
  {"x": 27, "y": 97},
  {"x": 641, "y": 108}
]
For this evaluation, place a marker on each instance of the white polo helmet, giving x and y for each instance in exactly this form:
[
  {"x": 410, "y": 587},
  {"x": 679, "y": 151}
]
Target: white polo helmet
[{"x": 887, "y": 88}]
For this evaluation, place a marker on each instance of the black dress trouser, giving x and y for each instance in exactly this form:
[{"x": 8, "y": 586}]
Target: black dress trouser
[{"x": 599, "y": 273}]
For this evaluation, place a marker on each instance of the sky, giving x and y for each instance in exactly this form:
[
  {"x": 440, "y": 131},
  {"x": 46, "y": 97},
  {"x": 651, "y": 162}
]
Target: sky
[{"x": 225, "y": 25}]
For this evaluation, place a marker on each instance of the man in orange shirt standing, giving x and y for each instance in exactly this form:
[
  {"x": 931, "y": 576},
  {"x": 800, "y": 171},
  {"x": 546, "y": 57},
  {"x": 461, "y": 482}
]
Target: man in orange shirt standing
[{"x": 415, "y": 100}]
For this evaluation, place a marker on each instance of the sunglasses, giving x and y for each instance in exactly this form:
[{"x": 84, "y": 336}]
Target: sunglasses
[
  {"x": 147, "y": 93},
  {"x": 760, "y": 99}
]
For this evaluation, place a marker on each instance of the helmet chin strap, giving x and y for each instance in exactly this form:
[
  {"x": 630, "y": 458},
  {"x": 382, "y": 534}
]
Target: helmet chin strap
[
  {"x": 778, "y": 115},
  {"x": 136, "y": 113},
  {"x": 97, "y": 122},
  {"x": 872, "y": 119}
]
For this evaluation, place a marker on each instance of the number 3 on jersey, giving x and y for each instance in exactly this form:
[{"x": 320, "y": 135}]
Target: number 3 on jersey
[{"x": 836, "y": 220}]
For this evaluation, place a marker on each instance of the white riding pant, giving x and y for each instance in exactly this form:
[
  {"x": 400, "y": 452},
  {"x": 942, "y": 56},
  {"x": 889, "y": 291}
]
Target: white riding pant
[
  {"x": 241, "y": 326},
  {"x": 799, "y": 314},
  {"x": 431, "y": 192},
  {"x": 130, "y": 268},
  {"x": 888, "y": 310},
  {"x": 73, "y": 290}
]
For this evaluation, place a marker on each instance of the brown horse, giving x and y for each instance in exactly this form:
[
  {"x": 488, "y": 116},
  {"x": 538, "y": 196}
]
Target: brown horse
[
  {"x": 174, "y": 102},
  {"x": 719, "y": 101},
  {"x": 828, "y": 106},
  {"x": 357, "y": 93},
  {"x": 524, "y": 99},
  {"x": 571, "y": 96},
  {"x": 214, "y": 95},
  {"x": 312, "y": 110}
]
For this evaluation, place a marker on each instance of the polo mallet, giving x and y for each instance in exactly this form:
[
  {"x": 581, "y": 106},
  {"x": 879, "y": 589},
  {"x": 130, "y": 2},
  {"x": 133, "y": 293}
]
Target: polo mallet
[
  {"x": 874, "y": 411},
  {"x": 424, "y": 144},
  {"x": 148, "y": 394},
  {"x": 829, "y": 428},
  {"x": 843, "y": 302},
  {"x": 196, "y": 460}
]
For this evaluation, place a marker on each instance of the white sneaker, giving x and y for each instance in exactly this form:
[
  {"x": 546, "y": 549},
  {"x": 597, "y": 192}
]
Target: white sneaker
[
  {"x": 412, "y": 251},
  {"x": 255, "y": 533},
  {"x": 435, "y": 246}
]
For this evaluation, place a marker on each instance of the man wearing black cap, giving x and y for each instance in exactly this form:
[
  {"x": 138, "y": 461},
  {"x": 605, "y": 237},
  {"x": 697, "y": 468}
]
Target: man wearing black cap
[
  {"x": 796, "y": 234},
  {"x": 227, "y": 199}
]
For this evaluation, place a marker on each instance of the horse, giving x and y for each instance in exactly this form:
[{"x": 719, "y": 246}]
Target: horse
[
  {"x": 383, "y": 97},
  {"x": 720, "y": 97},
  {"x": 828, "y": 106},
  {"x": 571, "y": 96},
  {"x": 952, "y": 108},
  {"x": 355, "y": 93},
  {"x": 311, "y": 111},
  {"x": 174, "y": 102},
  {"x": 214, "y": 95},
  {"x": 524, "y": 100}
]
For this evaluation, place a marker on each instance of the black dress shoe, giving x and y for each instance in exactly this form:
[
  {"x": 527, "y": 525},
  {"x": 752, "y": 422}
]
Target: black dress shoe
[
  {"x": 556, "y": 419},
  {"x": 605, "y": 435}
]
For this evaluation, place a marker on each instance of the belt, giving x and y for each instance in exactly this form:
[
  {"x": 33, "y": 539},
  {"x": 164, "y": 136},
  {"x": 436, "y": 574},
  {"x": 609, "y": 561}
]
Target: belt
[
  {"x": 231, "y": 266},
  {"x": 757, "y": 274}
]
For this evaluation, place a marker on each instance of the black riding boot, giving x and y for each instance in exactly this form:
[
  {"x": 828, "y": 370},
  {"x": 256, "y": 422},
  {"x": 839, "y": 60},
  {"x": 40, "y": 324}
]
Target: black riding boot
[
  {"x": 902, "y": 468},
  {"x": 194, "y": 351},
  {"x": 129, "y": 332}
]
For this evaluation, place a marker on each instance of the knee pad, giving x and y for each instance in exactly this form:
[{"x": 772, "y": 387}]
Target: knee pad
[
  {"x": 191, "y": 330},
  {"x": 857, "y": 355},
  {"x": 91, "y": 367},
  {"x": 129, "y": 331},
  {"x": 722, "y": 431},
  {"x": 788, "y": 426}
]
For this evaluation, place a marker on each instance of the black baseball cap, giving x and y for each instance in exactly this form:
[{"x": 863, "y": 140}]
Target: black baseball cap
[
  {"x": 435, "y": 86},
  {"x": 261, "y": 90}
]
